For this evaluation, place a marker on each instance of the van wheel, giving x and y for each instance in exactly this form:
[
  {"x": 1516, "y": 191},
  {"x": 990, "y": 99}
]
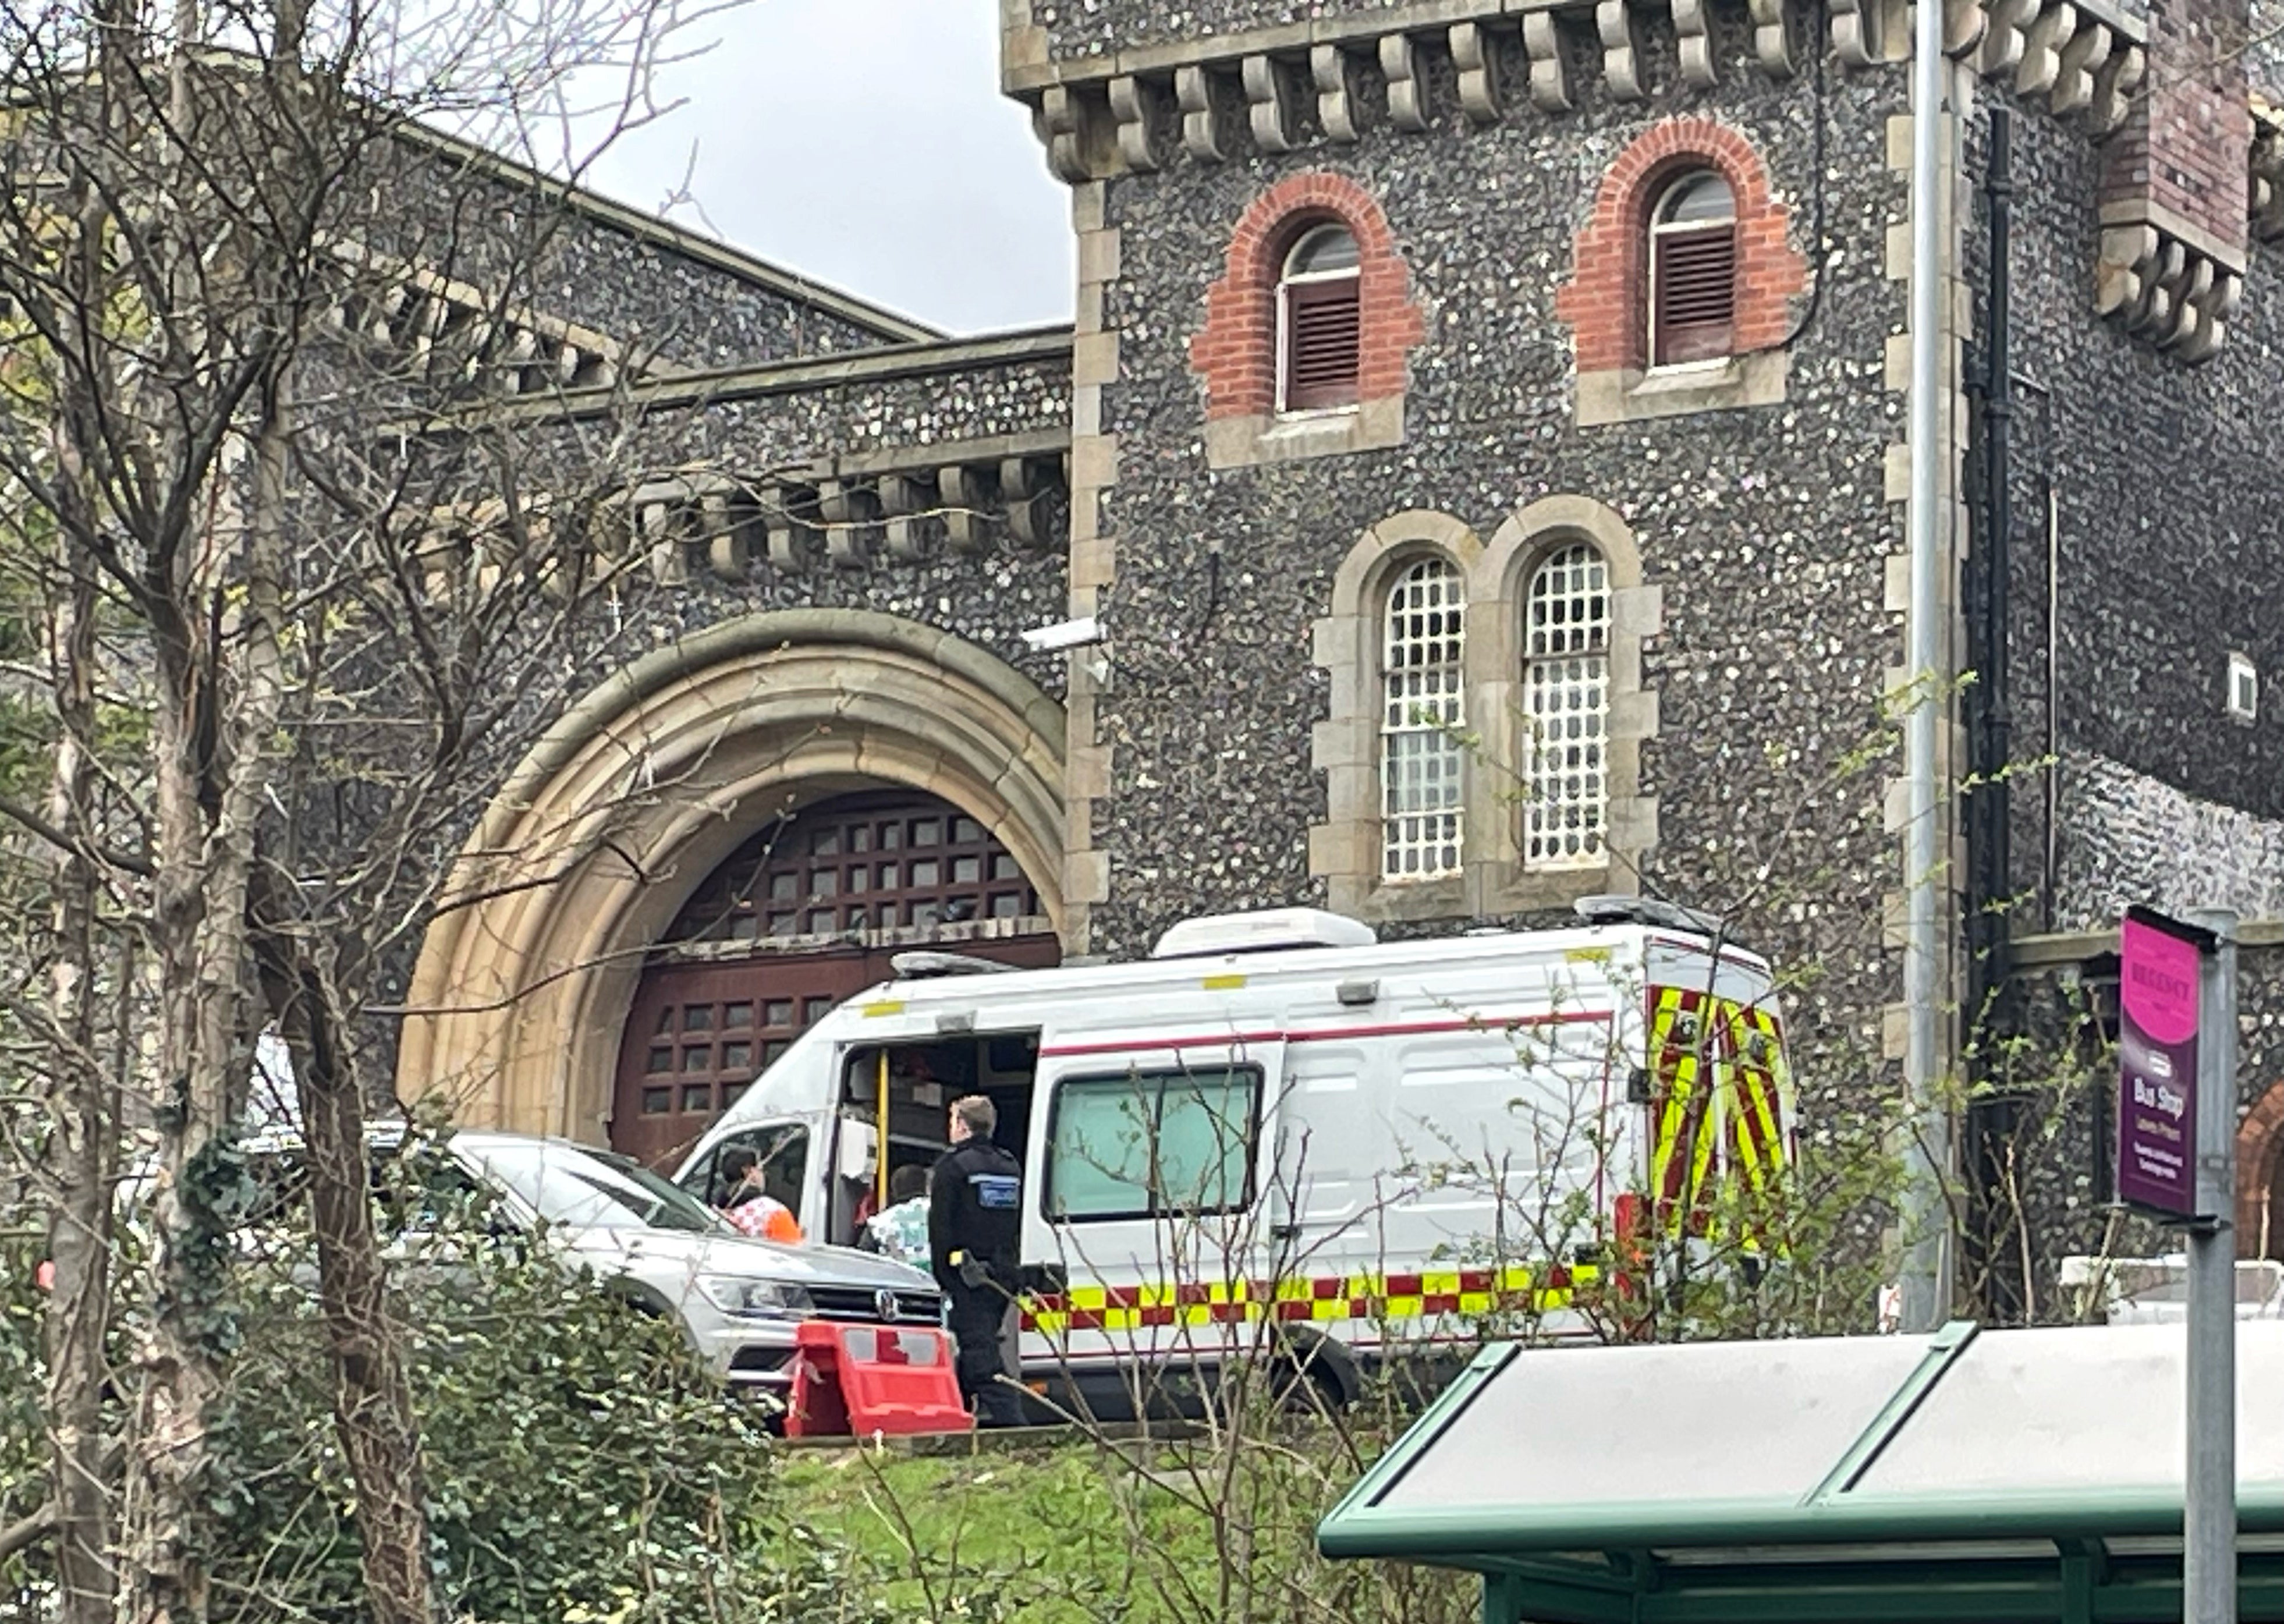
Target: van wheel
[{"x": 1315, "y": 1375}]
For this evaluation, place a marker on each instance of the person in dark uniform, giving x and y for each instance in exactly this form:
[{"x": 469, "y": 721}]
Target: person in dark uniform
[{"x": 975, "y": 1219}]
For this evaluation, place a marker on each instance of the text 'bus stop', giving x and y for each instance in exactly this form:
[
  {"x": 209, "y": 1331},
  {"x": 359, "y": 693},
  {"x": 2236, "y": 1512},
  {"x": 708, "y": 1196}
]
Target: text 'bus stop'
[{"x": 2017, "y": 1475}]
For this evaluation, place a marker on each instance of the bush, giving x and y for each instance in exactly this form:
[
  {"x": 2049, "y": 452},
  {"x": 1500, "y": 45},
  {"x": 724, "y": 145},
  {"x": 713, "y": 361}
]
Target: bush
[{"x": 579, "y": 1465}]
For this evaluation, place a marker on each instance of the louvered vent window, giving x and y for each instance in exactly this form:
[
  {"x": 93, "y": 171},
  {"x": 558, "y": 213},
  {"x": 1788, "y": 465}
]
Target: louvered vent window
[
  {"x": 1692, "y": 273},
  {"x": 1420, "y": 752},
  {"x": 1320, "y": 321}
]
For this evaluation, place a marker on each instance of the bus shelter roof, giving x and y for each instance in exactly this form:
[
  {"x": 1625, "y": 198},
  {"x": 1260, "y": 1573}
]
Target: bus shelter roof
[{"x": 2013, "y": 1475}]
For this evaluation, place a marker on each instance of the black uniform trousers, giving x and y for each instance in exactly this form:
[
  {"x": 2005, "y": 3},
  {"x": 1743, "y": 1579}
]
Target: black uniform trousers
[{"x": 979, "y": 1318}]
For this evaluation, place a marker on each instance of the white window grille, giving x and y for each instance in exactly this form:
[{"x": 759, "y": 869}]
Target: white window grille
[
  {"x": 2243, "y": 687},
  {"x": 1420, "y": 752},
  {"x": 1567, "y": 708}
]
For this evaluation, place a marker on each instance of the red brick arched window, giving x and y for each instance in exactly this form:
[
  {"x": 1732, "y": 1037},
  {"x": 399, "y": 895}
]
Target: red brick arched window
[
  {"x": 1607, "y": 300},
  {"x": 1245, "y": 350}
]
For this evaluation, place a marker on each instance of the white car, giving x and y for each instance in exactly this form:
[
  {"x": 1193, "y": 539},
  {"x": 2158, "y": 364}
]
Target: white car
[{"x": 645, "y": 1241}]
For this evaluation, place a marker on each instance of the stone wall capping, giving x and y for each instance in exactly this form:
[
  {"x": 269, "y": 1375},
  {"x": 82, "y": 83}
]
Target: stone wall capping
[
  {"x": 2037, "y": 950},
  {"x": 678, "y": 240},
  {"x": 1041, "y": 346},
  {"x": 2196, "y": 239}
]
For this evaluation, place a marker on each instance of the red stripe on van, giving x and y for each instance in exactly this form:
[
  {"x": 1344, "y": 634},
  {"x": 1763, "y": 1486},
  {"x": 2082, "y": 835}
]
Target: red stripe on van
[{"x": 1507, "y": 1023}]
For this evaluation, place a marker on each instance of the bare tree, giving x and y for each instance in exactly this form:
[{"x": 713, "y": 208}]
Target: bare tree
[{"x": 212, "y": 366}]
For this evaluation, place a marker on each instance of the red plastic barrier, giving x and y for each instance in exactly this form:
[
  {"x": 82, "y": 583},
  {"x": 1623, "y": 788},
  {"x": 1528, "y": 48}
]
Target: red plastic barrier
[{"x": 869, "y": 1379}]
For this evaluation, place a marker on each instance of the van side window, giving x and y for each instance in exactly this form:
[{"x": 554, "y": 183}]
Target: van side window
[{"x": 1153, "y": 1144}]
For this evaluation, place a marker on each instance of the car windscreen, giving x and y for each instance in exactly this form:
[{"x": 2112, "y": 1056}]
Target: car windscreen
[{"x": 582, "y": 1191}]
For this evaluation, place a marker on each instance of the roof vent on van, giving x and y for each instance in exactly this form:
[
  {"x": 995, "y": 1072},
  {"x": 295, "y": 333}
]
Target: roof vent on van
[
  {"x": 1646, "y": 910},
  {"x": 921, "y": 966},
  {"x": 1211, "y": 934}
]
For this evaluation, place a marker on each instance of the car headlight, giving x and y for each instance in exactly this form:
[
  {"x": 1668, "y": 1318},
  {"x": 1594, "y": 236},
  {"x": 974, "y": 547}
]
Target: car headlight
[{"x": 754, "y": 1299}]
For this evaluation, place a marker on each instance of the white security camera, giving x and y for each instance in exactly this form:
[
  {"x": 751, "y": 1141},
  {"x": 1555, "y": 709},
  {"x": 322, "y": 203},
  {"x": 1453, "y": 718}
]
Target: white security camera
[{"x": 1085, "y": 632}]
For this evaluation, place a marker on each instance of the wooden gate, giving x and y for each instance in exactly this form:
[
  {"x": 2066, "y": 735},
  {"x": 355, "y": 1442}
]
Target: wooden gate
[{"x": 804, "y": 914}]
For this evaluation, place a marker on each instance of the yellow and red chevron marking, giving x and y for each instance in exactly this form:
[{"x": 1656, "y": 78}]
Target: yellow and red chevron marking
[
  {"x": 1335, "y": 1296},
  {"x": 1716, "y": 1101},
  {"x": 1753, "y": 1048},
  {"x": 1680, "y": 1151}
]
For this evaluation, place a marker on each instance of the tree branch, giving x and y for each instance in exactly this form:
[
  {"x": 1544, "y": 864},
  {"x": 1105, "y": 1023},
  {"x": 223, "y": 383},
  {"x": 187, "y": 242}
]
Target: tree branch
[
  {"x": 132, "y": 863},
  {"x": 27, "y": 1531}
]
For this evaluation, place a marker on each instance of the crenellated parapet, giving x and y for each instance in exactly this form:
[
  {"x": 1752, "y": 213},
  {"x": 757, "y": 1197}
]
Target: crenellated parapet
[
  {"x": 1328, "y": 80},
  {"x": 2084, "y": 59}
]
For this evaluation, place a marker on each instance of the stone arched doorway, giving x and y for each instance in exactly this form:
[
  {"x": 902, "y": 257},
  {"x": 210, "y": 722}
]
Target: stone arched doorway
[
  {"x": 2260, "y": 1177},
  {"x": 553, "y": 910},
  {"x": 810, "y": 910}
]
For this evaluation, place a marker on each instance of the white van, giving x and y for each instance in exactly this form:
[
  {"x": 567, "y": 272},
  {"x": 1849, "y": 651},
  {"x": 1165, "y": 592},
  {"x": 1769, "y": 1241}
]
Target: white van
[{"x": 1278, "y": 1125}]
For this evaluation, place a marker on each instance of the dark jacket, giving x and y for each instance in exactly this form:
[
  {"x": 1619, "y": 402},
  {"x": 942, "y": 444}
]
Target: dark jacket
[{"x": 975, "y": 1209}]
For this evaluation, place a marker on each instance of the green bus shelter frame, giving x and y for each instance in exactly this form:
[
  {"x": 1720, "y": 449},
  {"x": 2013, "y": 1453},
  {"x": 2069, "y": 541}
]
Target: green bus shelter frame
[{"x": 2091, "y": 1555}]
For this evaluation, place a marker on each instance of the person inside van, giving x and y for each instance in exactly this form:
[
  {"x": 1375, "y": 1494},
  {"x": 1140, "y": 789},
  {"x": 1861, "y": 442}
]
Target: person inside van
[
  {"x": 750, "y": 1207},
  {"x": 899, "y": 1230}
]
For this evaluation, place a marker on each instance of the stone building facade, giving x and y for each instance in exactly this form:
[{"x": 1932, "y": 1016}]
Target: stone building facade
[{"x": 1480, "y": 443}]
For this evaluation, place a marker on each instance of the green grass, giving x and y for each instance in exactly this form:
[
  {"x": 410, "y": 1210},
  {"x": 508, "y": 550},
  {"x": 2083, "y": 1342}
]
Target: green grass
[
  {"x": 1207, "y": 1532},
  {"x": 1044, "y": 1538}
]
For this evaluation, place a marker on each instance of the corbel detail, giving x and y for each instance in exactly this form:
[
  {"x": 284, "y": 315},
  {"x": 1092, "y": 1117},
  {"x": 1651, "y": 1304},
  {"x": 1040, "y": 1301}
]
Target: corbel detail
[
  {"x": 1771, "y": 37},
  {"x": 1859, "y": 33},
  {"x": 1289, "y": 87},
  {"x": 966, "y": 524},
  {"x": 1613, "y": 25},
  {"x": 2264, "y": 190},
  {"x": 905, "y": 508},
  {"x": 1333, "y": 74},
  {"x": 1133, "y": 103},
  {"x": 1202, "y": 136},
  {"x": 1069, "y": 124},
  {"x": 846, "y": 510},
  {"x": 1694, "y": 31},
  {"x": 1477, "y": 57},
  {"x": 792, "y": 540},
  {"x": 1270, "y": 105},
  {"x": 2082, "y": 62},
  {"x": 1407, "y": 94},
  {"x": 2164, "y": 290},
  {"x": 1550, "y": 75},
  {"x": 2059, "y": 49}
]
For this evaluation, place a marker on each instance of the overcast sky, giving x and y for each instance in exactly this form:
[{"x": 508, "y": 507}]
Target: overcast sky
[{"x": 864, "y": 143}]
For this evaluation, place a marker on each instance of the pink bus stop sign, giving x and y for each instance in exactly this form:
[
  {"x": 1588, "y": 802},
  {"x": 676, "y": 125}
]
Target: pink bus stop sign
[{"x": 2160, "y": 962}]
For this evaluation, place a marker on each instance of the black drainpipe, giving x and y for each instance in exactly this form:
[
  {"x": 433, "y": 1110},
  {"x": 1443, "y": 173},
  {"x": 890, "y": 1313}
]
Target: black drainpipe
[{"x": 1991, "y": 1111}]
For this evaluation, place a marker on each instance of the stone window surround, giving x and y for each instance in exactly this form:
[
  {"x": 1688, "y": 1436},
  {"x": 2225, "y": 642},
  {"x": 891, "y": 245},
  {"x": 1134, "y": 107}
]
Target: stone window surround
[
  {"x": 1344, "y": 851},
  {"x": 1235, "y": 352},
  {"x": 1606, "y": 300}
]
